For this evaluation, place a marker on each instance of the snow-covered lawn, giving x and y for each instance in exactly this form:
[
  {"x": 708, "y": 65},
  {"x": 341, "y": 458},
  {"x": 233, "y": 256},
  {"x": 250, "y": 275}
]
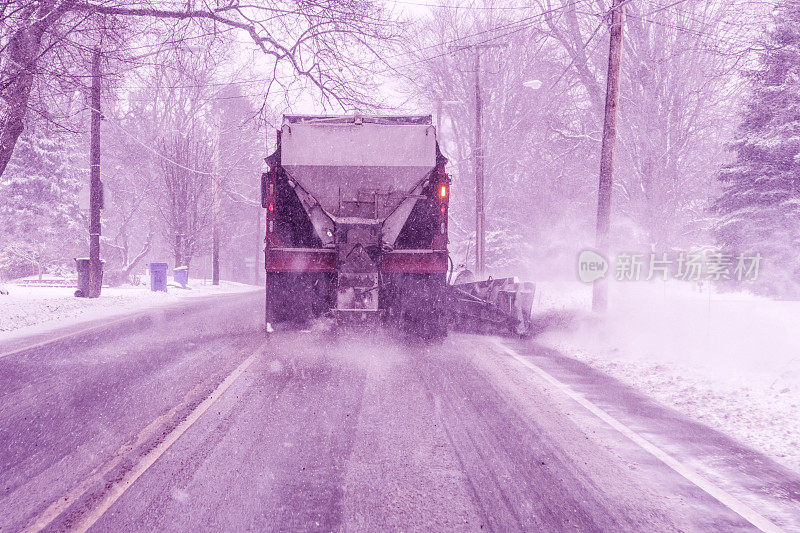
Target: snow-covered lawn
[
  {"x": 28, "y": 310},
  {"x": 729, "y": 360}
]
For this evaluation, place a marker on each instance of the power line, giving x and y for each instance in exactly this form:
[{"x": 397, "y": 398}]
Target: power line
[
  {"x": 522, "y": 24},
  {"x": 464, "y": 7},
  {"x": 153, "y": 150},
  {"x": 514, "y": 26},
  {"x": 691, "y": 16},
  {"x": 741, "y": 42},
  {"x": 662, "y": 8},
  {"x": 585, "y": 45}
]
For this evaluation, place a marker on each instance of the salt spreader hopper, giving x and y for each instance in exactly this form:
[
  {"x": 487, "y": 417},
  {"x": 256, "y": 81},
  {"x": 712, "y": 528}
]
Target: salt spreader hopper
[{"x": 357, "y": 212}]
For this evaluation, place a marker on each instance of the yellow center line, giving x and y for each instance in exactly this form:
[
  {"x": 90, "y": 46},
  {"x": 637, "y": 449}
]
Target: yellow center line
[
  {"x": 119, "y": 488},
  {"x": 75, "y": 333}
]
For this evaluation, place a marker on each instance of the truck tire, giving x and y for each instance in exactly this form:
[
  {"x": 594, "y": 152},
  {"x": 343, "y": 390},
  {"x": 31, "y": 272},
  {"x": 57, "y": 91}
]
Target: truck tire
[
  {"x": 433, "y": 326},
  {"x": 272, "y": 298},
  {"x": 422, "y": 303},
  {"x": 323, "y": 293},
  {"x": 291, "y": 297}
]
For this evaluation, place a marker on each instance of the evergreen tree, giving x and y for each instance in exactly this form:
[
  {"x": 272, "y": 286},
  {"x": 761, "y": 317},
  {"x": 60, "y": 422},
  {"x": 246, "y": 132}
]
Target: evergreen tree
[
  {"x": 40, "y": 222},
  {"x": 759, "y": 209}
]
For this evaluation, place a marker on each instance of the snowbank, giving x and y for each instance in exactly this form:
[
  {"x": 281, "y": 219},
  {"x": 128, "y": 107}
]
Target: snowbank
[
  {"x": 729, "y": 360},
  {"x": 27, "y": 310}
]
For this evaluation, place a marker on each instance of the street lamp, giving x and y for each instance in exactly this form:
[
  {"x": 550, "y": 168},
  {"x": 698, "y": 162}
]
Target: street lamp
[{"x": 532, "y": 84}]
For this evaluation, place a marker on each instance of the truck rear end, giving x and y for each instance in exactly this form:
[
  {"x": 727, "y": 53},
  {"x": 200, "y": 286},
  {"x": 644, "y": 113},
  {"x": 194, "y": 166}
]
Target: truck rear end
[{"x": 357, "y": 213}]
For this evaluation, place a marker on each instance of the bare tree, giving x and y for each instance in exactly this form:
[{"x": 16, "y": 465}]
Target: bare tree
[
  {"x": 325, "y": 43},
  {"x": 128, "y": 220},
  {"x": 187, "y": 202},
  {"x": 172, "y": 119},
  {"x": 681, "y": 80},
  {"x": 537, "y": 189}
]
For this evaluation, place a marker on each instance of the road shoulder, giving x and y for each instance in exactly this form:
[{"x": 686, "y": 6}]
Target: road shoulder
[{"x": 745, "y": 473}]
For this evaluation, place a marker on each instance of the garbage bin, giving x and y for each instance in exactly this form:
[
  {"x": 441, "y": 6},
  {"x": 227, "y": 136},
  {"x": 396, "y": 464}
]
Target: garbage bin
[
  {"x": 82, "y": 265},
  {"x": 158, "y": 277},
  {"x": 181, "y": 275}
]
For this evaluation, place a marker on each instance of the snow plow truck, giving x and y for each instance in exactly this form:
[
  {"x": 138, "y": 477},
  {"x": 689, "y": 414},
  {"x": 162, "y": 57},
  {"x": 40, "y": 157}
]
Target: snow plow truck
[{"x": 356, "y": 222}]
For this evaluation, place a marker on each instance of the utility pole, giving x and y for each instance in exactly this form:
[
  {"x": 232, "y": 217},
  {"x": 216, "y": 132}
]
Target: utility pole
[
  {"x": 438, "y": 117},
  {"x": 215, "y": 207},
  {"x": 96, "y": 187},
  {"x": 480, "y": 214},
  {"x": 600, "y": 289}
]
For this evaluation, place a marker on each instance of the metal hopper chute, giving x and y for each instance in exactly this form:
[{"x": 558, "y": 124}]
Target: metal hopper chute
[{"x": 366, "y": 170}]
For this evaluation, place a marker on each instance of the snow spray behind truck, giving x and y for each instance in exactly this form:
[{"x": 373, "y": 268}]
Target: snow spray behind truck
[{"x": 356, "y": 221}]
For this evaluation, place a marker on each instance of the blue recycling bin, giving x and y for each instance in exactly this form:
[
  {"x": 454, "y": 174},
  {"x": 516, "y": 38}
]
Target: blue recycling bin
[
  {"x": 158, "y": 277},
  {"x": 181, "y": 275}
]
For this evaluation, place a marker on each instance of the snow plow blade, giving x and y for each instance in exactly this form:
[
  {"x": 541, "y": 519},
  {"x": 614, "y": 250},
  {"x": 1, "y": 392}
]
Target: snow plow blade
[{"x": 493, "y": 306}]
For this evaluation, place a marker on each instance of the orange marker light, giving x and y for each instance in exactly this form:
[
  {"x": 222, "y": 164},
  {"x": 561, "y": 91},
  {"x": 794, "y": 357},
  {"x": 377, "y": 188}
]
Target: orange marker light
[
  {"x": 443, "y": 191},
  {"x": 443, "y": 208},
  {"x": 271, "y": 208}
]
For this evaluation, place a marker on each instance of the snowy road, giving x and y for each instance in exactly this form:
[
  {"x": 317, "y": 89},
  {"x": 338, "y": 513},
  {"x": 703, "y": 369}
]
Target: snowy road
[{"x": 200, "y": 422}]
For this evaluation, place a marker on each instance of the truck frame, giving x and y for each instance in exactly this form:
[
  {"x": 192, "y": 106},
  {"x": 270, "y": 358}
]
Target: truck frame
[{"x": 356, "y": 221}]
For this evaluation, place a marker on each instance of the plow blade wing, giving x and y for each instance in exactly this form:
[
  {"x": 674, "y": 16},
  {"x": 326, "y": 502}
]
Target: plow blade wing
[{"x": 493, "y": 306}]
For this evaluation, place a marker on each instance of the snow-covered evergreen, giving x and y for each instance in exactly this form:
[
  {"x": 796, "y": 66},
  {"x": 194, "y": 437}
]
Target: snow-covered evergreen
[
  {"x": 40, "y": 221},
  {"x": 760, "y": 205}
]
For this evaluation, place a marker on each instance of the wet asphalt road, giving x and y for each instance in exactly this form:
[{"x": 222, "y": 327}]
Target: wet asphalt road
[{"x": 316, "y": 430}]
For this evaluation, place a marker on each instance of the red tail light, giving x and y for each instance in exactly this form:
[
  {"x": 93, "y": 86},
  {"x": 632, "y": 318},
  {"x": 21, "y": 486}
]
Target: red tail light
[
  {"x": 271, "y": 200},
  {"x": 443, "y": 200}
]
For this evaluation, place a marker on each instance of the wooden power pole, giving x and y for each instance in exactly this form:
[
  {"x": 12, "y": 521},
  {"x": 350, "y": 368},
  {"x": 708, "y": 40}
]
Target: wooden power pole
[
  {"x": 96, "y": 187},
  {"x": 438, "y": 117},
  {"x": 600, "y": 289},
  {"x": 215, "y": 207},
  {"x": 480, "y": 213}
]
